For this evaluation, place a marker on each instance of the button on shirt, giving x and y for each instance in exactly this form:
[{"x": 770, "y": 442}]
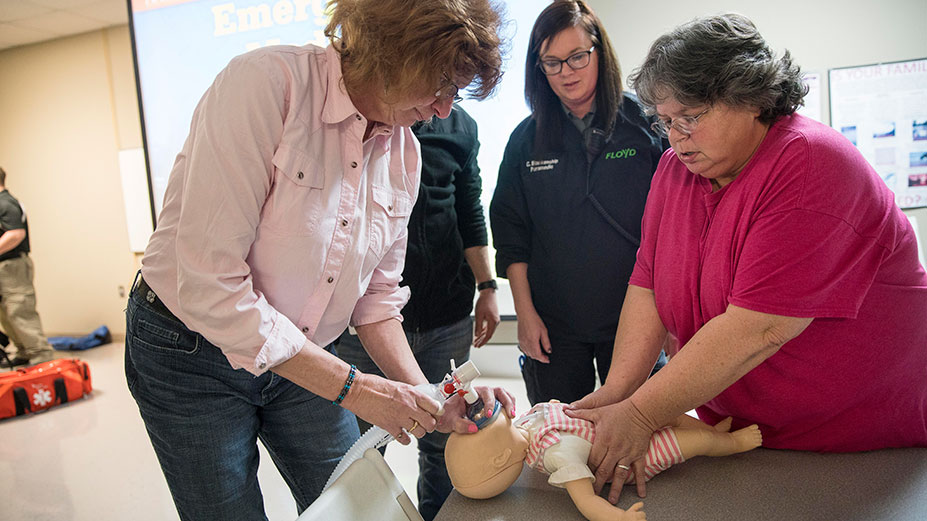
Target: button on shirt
[
  {"x": 280, "y": 222},
  {"x": 582, "y": 123}
]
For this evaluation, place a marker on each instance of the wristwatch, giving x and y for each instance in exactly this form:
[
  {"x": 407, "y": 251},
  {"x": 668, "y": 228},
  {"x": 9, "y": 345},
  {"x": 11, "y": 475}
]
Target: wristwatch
[{"x": 491, "y": 283}]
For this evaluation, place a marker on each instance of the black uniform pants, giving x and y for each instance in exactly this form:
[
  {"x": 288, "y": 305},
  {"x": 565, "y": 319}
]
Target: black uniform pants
[{"x": 571, "y": 373}]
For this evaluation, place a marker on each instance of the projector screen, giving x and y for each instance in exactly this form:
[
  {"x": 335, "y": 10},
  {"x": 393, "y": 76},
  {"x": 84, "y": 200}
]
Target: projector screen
[{"x": 180, "y": 46}]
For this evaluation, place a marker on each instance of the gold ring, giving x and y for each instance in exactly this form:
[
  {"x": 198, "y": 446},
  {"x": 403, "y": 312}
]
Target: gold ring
[
  {"x": 623, "y": 467},
  {"x": 415, "y": 425}
]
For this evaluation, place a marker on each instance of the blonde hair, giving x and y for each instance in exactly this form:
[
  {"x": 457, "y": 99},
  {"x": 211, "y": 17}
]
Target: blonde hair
[{"x": 406, "y": 46}]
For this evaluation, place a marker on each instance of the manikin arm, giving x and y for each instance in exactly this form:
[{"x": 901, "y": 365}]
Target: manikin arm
[{"x": 596, "y": 508}]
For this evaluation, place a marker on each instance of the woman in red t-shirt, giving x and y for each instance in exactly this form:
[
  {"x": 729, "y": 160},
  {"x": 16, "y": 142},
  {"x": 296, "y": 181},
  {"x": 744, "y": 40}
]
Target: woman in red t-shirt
[{"x": 781, "y": 276}]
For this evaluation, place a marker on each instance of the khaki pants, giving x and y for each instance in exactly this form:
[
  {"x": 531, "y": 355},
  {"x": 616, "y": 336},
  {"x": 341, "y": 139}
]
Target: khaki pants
[{"x": 18, "y": 316}]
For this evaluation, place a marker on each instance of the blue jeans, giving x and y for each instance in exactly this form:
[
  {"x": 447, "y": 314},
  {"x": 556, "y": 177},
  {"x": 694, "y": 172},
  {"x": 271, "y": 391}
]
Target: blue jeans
[
  {"x": 433, "y": 350},
  {"x": 204, "y": 419}
]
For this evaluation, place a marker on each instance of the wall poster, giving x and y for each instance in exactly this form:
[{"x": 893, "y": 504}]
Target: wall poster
[{"x": 882, "y": 109}]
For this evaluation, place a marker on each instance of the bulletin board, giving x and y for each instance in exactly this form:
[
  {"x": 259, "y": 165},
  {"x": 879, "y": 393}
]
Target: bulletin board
[{"x": 882, "y": 109}]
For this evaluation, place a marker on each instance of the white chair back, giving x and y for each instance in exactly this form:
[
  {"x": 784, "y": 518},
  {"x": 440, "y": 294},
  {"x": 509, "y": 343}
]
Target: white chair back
[{"x": 367, "y": 491}]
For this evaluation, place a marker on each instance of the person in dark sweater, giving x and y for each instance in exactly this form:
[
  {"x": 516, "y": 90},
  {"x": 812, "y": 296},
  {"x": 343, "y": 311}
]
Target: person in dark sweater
[
  {"x": 568, "y": 203},
  {"x": 447, "y": 258}
]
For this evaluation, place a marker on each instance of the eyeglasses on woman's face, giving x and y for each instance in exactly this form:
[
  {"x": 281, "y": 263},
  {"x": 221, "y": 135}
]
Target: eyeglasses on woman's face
[
  {"x": 448, "y": 89},
  {"x": 685, "y": 125},
  {"x": 576, "y": 61}
]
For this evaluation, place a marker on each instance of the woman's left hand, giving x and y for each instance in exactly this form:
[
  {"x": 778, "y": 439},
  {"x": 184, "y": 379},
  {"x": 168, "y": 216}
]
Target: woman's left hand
[
  {"x": 455, "y": 418},
  {"x": 622, "y": 437}
]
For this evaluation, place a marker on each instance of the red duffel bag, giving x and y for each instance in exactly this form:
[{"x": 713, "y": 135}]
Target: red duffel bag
[{"x": 42, "y": 386}]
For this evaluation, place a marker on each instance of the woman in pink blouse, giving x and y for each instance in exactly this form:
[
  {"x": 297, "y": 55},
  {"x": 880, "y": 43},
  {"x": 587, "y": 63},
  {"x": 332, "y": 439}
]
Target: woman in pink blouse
[{"x": 284, "y": 221}]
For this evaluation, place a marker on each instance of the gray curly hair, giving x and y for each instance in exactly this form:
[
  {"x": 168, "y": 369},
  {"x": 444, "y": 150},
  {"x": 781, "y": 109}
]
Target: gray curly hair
[{"x": 724, "y": 59}]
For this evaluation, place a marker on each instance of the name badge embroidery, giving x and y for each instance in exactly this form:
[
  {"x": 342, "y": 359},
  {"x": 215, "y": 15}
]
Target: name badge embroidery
[{"x": 542, "y": 165}]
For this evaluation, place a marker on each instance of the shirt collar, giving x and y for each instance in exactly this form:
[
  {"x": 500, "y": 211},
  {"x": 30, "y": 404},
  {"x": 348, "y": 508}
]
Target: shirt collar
[
  {"x": 337, "y": 106},
  {"x": 580, "y": 123}
]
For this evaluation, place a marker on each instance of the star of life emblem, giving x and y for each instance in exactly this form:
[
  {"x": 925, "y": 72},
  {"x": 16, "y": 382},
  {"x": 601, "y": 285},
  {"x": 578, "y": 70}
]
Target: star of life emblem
[{"x": 42, "y": 396}]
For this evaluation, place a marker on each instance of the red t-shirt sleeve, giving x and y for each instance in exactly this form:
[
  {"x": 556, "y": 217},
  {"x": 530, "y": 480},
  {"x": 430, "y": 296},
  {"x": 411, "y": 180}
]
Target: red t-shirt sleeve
[
  {"x": 819, "y": 236},
  {"x": 804, "y": 263}
]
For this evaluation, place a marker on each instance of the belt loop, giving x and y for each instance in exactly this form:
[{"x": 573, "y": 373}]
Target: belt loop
[{"x": 134, "y": 286}]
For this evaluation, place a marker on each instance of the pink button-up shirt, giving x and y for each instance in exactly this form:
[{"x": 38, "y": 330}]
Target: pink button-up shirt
[{"x": 280, "y": 223}]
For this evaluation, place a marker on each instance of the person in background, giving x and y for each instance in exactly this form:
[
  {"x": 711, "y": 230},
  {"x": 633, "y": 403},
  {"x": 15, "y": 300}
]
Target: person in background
[
  {"x": 566, "y": 212},
  {"x": 776, "y": 258},
  {"x": 18, "y": 316},
  {"x": 446, "y": 260},
  {"x": 284, "y": 220}
]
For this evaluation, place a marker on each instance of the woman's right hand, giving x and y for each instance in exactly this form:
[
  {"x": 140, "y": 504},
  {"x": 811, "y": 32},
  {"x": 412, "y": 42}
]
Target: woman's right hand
[
  {"x": 622, "y": 437},
  {"x": 393, "y": 406},
  {"x": 532, "y": 336}
]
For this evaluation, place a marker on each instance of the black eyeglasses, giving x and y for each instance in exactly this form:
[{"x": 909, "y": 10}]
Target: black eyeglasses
[
  {"x": 576, "y": 61},
  {"x": 447, "y": 90},
  {"x": 685, "y": 125}
]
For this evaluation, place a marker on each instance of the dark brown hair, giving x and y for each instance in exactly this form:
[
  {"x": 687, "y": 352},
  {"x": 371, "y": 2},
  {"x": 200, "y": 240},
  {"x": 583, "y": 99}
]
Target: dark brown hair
[{"x": 544, "y": 103}]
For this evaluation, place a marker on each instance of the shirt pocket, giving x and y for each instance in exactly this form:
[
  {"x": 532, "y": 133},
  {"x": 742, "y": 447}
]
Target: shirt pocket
[
  {"x": 389, "y": 217},
  {"x": 296, "y": 199}
]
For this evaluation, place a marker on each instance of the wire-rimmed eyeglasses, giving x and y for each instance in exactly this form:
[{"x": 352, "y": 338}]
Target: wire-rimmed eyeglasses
[
  {"x": 576, "y": 61},
  {"x": 685, "y": 125},
  {"x": 448, "y": 89}
]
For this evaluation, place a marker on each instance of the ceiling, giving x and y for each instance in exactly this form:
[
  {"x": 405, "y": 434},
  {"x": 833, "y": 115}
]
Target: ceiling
[{"x": 30, "y": 21}]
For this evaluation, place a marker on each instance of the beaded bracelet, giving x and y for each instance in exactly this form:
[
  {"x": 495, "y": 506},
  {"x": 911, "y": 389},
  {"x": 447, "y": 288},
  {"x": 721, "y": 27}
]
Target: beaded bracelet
[{"x": 347, "y": 386}]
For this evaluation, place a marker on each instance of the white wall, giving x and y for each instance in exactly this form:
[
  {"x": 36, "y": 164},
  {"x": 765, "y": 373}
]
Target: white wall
[{"x": 68, "y": 106}]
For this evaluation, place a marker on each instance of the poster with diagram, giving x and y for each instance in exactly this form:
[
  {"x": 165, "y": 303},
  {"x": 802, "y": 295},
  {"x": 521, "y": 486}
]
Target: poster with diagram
[{"x": 882, "y": 109}]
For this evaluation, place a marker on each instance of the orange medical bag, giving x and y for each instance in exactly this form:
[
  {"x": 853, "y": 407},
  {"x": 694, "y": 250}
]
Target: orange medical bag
[{"x": 42, "y": 386}]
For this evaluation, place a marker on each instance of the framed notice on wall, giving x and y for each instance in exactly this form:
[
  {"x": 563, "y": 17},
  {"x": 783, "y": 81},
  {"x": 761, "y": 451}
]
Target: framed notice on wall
[{"x": 882, "y": 109}]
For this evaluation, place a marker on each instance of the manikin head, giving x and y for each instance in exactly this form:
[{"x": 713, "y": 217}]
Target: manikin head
[{"x": 484, "y": 464}]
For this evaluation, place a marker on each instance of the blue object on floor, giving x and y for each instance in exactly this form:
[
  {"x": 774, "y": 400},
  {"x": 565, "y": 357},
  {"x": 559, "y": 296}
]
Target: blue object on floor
[{"x": 99, "y": 336}]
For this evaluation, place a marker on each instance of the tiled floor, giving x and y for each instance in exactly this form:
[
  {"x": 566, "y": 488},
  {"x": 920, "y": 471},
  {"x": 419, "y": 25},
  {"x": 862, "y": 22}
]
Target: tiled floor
[{"x": 90, "y": 460}]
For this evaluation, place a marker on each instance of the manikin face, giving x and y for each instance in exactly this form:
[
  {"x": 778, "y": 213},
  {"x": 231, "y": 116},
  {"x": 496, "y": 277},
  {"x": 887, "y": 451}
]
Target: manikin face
[
  {"x": 575, "y": 88},
  {"x": 484, "y": 464},
  {"x": 722, "y": 143}
]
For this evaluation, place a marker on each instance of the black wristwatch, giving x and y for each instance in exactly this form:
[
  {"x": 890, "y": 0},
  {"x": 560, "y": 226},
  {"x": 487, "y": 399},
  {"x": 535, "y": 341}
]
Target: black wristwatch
[{"x": 491, "y": 283}]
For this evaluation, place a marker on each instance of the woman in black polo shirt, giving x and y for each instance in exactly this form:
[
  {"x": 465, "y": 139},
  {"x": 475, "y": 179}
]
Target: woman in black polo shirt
[{"x": 567, "y": 208}]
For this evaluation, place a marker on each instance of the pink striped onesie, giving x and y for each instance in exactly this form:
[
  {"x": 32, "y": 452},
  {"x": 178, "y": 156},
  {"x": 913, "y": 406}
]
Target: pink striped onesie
[{"x": 559, "y": 445}]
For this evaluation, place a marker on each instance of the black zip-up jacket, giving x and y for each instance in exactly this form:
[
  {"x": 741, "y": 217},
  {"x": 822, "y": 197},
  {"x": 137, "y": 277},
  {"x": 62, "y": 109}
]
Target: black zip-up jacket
[
  {"x": 447, "y": 218},
  {"x": 541, "y": 213}
]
